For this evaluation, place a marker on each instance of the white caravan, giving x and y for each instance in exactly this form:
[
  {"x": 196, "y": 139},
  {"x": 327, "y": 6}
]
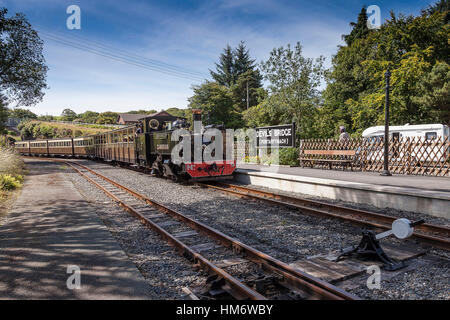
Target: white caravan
[{"x": 426, "y": 133}]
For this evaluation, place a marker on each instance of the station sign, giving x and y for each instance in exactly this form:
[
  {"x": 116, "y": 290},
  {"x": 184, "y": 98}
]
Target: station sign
[{"x": 282, "y": 136}]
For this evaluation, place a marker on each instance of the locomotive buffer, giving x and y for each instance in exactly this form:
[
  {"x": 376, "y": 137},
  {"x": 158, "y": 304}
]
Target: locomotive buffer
[{"x": 370, "y": 247}]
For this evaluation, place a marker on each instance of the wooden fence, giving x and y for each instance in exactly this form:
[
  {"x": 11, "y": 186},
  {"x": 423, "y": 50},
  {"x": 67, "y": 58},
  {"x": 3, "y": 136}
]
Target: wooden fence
[{"x": 414, "y": 155}]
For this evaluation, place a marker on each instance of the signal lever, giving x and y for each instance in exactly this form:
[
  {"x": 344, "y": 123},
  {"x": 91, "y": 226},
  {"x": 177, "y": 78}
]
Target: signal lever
[{"x": 370, "y": 247}]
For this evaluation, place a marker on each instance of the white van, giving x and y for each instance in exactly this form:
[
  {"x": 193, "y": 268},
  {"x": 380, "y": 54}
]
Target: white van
[{"x": 426, "y": 132}]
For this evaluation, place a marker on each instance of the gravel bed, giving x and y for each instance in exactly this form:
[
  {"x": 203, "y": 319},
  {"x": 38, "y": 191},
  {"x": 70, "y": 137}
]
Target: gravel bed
[
  {"x": 280, "y": 232},
  {"x": 430, "y": 281},
  {"x": 165, "y": 271}
]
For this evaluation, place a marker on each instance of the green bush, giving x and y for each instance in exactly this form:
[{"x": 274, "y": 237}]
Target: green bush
[
  {"x": 289, "y": 156},
  {"x": 9, "y": 182},
  {"x": 285, "y": 156}
]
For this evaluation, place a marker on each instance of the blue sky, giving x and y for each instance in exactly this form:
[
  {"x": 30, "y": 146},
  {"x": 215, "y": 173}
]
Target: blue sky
[{"x": 187, "y": 35}]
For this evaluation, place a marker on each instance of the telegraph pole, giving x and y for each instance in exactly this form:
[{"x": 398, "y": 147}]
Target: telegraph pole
[
  {"x": 386, "y": 127},
  {"x": 247, "y": 96}
]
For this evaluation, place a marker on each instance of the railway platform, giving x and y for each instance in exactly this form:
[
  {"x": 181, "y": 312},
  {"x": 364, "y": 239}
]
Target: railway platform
[
  {"x": 420, "y": 194},
  {"x": 52, "y": 231}
]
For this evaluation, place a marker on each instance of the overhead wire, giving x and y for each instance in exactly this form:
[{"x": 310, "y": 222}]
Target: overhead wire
[
  {"x": 136, "y": 56},
  {"x": 126, "y": 58}
]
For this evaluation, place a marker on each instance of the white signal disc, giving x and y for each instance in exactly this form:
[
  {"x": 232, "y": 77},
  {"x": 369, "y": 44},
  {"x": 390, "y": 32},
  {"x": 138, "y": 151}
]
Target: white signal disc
[{"x": 402, "y": 229}]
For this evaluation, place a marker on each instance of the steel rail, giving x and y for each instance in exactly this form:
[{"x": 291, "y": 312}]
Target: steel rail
[
  {"x": 438, "y": 236},
  {"x": 315, "y": 287},
  {"x": 242, "y": 290},
  {"x": 313, "y": 207}
]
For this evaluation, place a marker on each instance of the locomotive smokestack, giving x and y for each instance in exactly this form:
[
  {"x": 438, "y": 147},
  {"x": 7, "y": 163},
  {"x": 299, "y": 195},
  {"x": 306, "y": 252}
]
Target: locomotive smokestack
[
  {"x": 197, "y": 119},
  {"x": 196, "y": 115}
]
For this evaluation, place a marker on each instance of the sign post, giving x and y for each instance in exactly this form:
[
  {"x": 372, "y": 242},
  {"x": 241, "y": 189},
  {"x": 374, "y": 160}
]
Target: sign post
[{"x": 386, "y": 128}]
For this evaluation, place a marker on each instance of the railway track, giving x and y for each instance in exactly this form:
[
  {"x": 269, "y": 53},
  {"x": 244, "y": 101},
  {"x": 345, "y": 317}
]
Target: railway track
[
  {"x": 263, "y": 276},
  {"x": 437, "y": 236}
]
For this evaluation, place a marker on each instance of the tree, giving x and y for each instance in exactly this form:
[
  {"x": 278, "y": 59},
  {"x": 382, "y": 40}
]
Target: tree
[
  {"x": 243, "y": 63},
  {"x": 46, "y": 118},
  {"x": 410, "y": 47},
  {"x": 3, "y": 113},
  {"x": 177, "y": 112},
  {"x": 216, "y": 102},
  {"x": 294, "y": 82},
  {"x": 88, "y": 117},
  {"x": 443, "y": 6},
  {"x": 266, "y": 113},
  {"x": 434, "y": 92},
  {"x": 232, "y": 64},
  {"x": 360, "y": 29},
  {"x": 142, "y": 111},
  {"x": 251, "y": 81},
  {"x": 22, "y": 64},
  {"x": 68, "y": 115},
  {"x": 224, "y": 74},
  {"x": 107, "y": 118},
  {"x": 22, "y": 114},
  {"x": 345, "y": 80},
  {"x": 237, "y": 72}
]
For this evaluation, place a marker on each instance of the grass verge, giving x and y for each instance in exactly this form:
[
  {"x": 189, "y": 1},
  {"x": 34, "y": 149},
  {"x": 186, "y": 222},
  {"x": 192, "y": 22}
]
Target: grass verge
[{"x": 12, "y": 170}]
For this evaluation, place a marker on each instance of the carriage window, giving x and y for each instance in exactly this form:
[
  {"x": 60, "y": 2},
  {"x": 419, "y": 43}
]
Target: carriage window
[{"x": 430, "y": 135}]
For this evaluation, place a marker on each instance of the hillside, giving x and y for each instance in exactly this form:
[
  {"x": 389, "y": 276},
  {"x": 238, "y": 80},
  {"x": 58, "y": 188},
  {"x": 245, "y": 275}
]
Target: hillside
[{"x": 36, "y": 129}]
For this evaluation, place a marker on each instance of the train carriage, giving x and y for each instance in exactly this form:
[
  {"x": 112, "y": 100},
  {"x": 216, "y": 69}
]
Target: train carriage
[
  {"x": 117, "y": 145},
  {"x": 99, "y": 148},
  {"x": 23, "y": 147},
  {"x": 148, "y": 145},
  {"x": 39, "y": 147},
  {"x": 83, "y": 146},
  {"x": 62, "y": 147}
]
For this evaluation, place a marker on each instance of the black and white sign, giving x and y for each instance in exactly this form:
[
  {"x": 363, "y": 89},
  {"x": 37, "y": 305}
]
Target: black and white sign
[{"x": 282, "y": 136}]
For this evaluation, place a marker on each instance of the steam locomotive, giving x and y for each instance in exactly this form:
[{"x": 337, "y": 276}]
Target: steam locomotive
[{"x": 148, "y": 145}]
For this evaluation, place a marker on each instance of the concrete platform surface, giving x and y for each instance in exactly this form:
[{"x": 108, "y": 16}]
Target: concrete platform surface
[
  {"x": 440, "y": 184},
  {"x": 52, "y": 227},
  {"x": 419, "y": 194}
]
